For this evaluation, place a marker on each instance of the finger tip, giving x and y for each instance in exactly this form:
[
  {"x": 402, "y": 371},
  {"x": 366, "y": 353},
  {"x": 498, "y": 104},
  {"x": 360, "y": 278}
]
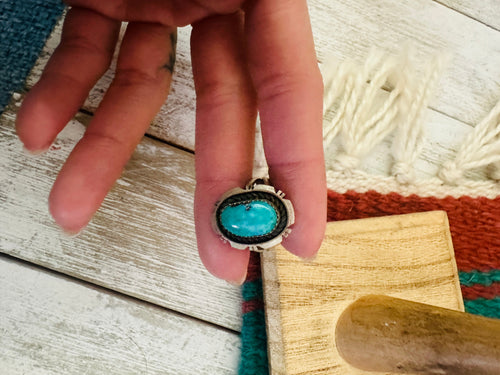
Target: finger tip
[
  {"x": 70, "y": 217},
  {"x": 223, "y": 261},
  {"x": 305, "y": 242},
  {"x": 34, "y": 151},
  {"x": 230, "y": 266},
  {"x": 33, "y": 126},
  {"x": 306, "y": 251},
  {"x": 238, "y": 282}
]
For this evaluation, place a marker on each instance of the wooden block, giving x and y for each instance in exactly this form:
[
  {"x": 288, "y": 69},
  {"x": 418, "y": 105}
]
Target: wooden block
[{"x": 406, "y": 256}]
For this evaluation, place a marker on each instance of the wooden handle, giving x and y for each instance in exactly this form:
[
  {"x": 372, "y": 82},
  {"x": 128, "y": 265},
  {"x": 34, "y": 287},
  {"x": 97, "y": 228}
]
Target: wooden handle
[{"x": 379, "y": 333}]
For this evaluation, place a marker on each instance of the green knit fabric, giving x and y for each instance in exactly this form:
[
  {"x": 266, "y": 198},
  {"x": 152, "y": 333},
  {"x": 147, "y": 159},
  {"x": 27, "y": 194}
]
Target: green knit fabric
[
  {"x": 478, "y": 277},
  {"x": 485, "y": 307},
  {"x": 253, "y": 344},
  {"x": 252, "y": 290}
]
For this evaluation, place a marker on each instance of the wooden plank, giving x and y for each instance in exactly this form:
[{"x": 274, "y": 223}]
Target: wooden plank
[
  {"x": 485, "y": 11},
  {"x": 52, "y": 325},
  {"x": 405, "y": 256},
  {"x": 140, "y": 243},
  {"x": 468, "y": 90}
]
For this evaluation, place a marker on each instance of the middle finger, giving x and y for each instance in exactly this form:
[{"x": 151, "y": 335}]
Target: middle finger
[{"x": 225, "y": 126}]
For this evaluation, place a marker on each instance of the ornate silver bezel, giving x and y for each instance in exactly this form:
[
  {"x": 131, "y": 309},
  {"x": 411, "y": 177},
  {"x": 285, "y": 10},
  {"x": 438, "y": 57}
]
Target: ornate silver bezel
[{"x": 256, "y": 185}]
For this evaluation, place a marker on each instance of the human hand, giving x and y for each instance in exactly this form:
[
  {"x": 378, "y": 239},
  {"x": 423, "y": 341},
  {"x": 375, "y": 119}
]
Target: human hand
[{"x": 246, "y": 55}]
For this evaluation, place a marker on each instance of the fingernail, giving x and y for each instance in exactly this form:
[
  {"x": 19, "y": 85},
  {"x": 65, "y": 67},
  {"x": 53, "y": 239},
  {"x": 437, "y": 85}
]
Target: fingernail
[
  {"x": 309, "y": 259},
  {"x": 71, "y": 234},
  {"x": 238, "y": 283},
  {"x": 306, "y": 259},
  {"x": 31, "y": 153},
  {"x": 234, "y": 283}
]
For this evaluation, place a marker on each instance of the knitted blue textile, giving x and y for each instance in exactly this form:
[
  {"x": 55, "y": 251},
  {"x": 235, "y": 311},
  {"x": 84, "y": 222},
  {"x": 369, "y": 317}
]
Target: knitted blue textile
[{"x": 24, "y": 27}]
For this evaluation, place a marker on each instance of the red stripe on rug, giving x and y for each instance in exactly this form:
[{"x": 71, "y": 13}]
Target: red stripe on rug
[
  {"x": 253, "y": 305},
  {"x": 481, "y": 291},
  {"x": 474, "y": 222},
  {"x": 253, "y": 272}
]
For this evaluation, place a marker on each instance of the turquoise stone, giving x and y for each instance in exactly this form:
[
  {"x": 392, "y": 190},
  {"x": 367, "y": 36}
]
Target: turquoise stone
[{"x": 250, "y": 219}]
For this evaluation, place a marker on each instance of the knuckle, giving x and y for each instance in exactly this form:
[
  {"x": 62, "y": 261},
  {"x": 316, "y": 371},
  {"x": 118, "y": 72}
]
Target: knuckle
[
  {"x": 104, "y": 141},
  {"x": 126, "y": 77},
  {"x": 217, "y": 94},
  {"x": 275, "y": 85}
]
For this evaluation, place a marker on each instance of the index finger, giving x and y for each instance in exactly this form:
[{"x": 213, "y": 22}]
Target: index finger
[{"x": 284, "y": 70}]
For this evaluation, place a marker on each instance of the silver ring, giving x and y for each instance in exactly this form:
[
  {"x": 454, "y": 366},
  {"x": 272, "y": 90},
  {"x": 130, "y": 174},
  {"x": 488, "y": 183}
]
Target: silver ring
[{"x": 257, "y": 217}]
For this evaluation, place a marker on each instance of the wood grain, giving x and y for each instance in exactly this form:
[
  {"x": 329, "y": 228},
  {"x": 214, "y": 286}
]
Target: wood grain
[
  {"x": 405, "y": 256},
  {"x": 141, "y": 242},
  {"x": 485, "y": 11},
  {"x": 53, "y": 325}
]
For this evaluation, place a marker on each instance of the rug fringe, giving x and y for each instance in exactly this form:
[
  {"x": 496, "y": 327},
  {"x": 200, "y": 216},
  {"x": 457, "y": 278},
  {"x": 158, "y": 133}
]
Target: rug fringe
[
  {"x": 385, "y": 98},
  {"x": 480, "y": 148}
]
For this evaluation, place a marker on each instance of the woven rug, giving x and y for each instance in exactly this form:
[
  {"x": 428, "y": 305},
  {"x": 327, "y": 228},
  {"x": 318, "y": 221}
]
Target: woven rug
[
  {"x": 24, "y": 27},
  {"x": 385, "y": 100}
]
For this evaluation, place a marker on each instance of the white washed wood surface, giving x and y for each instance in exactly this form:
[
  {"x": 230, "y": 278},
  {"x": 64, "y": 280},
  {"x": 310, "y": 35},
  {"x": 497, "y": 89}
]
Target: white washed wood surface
[
  {"x": 344, "y": 29},
  {"x": 53, "y": 325},
  {"x": 485, "y": 11},
  {"x": 141, "y": 242}
]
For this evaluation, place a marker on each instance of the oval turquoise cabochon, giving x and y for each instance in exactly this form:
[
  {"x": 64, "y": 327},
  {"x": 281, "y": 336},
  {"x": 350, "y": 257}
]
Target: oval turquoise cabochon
[{"x": 251, "y": 219}]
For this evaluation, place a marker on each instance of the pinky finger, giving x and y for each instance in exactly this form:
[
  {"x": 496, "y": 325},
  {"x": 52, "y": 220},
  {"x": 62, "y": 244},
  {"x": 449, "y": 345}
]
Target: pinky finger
[{"x": 84, "y": 54}]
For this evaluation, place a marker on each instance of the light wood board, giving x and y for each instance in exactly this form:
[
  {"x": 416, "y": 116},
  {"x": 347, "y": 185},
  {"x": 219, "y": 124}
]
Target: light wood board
[
  {"x": 54, "y": 325},
  {"x": 406, "y": 256}
]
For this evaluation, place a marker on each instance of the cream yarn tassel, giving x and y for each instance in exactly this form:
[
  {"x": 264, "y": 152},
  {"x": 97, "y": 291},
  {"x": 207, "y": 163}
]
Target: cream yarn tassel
[
  {"x": 479, "y": 149},
  {"x": 361, "y": 116},
  {"x": 408, "y": 141},
  {"x": 385, "y": 99}
]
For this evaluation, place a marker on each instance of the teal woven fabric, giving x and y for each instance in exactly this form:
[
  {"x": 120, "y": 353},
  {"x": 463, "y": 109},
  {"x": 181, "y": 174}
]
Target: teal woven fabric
[
  {"x": 253, "y": 344},
  {"x": 24, "y": 27},
  {"x": 254, "y": 359}
]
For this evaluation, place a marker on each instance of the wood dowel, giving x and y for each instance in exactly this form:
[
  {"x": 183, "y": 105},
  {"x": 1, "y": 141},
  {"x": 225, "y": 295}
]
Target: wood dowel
[{"x": 379, "y": 333}]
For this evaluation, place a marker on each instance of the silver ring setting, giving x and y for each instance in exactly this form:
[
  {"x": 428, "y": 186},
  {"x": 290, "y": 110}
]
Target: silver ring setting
[{"x": 257, "y": 217}]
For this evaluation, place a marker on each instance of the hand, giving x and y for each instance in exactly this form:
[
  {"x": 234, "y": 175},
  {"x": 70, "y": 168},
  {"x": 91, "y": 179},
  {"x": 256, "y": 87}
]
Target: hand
[{"x": 246, "y": 55}]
